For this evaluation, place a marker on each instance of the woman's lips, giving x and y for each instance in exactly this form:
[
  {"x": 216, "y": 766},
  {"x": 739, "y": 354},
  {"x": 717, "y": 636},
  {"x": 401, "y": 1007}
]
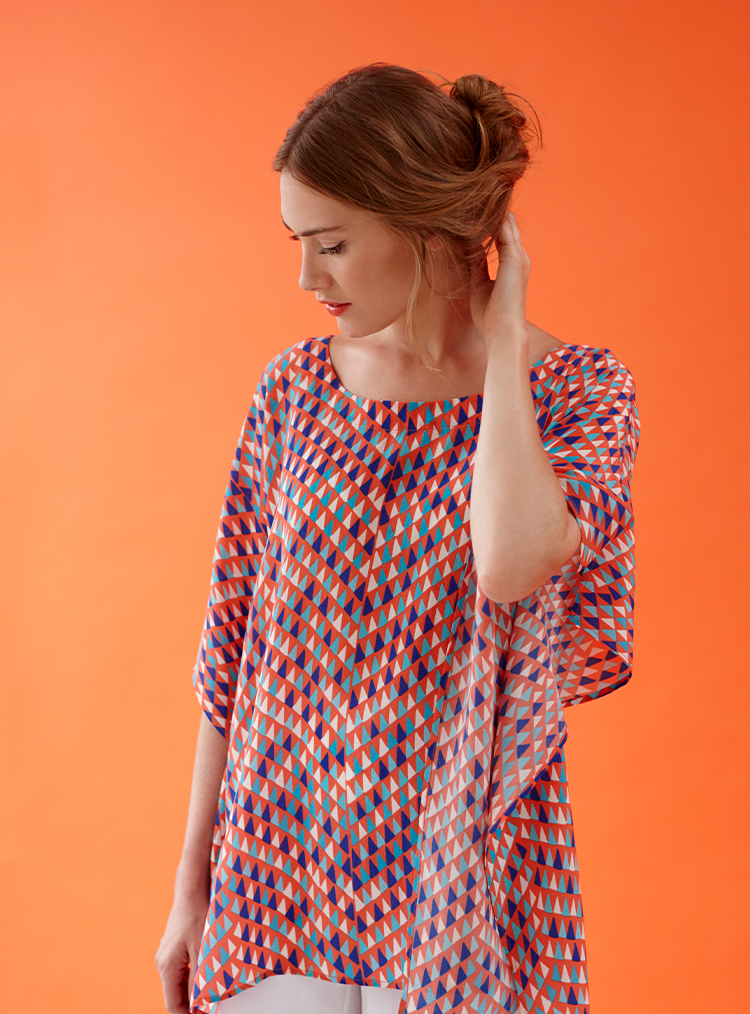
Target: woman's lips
[{"x": 336, "y": 308}]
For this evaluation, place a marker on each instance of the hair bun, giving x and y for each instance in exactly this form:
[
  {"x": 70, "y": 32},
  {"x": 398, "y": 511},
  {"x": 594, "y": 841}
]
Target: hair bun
[
  {"x": 471, "y": 89},
  {"x": 500, "y": 128}
]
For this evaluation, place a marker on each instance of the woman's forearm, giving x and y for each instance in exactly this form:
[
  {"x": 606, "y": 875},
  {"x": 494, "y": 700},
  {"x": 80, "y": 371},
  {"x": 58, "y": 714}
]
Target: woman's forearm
[
  {"x": 210, "y": 762},
  {"x": 177, "y": 956},
  {"x": 521, "y": 528}
]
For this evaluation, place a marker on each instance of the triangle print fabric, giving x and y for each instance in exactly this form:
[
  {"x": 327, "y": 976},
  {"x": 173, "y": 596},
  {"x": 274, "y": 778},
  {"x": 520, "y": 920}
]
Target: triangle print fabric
[{"x": 395, "y": 809}]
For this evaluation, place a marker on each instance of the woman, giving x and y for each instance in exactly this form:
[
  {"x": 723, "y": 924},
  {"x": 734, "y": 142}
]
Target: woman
[{"x": 379, "y": 807}]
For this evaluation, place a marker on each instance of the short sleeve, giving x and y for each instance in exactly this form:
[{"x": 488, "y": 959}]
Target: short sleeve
[
  {"x": 591, "y": 433},
  {"x": 246, "y": 515}
]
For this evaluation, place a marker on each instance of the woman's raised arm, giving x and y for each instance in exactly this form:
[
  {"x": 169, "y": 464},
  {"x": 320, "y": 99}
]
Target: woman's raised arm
[
  {"x": 178, "y": 951},
  {"x": 521, "y": 528}
]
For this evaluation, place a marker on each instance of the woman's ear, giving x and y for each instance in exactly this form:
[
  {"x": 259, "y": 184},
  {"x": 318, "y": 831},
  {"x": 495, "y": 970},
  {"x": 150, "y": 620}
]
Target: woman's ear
[{"x": 434, "y": 242}]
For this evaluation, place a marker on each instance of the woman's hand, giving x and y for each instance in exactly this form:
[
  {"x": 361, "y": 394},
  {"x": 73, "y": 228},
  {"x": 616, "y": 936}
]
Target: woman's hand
[
  {"x": 498, "y": 308},
  {"x": 177, "y": 956}
]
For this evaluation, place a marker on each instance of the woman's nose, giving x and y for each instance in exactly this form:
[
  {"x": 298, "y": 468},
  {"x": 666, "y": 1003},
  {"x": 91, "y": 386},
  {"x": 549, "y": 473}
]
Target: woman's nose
[{"x": 313, "y": 274}]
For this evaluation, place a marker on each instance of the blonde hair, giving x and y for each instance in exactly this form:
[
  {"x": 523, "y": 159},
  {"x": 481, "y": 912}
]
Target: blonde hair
[{"x": 390, "y": 141}]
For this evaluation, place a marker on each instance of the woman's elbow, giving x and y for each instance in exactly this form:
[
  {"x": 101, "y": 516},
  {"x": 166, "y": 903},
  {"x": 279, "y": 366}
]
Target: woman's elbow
[
  {"x": 511, "y": 584},
  {"x": 506, "y": 588},
  {"x": 518, "y": 571}
]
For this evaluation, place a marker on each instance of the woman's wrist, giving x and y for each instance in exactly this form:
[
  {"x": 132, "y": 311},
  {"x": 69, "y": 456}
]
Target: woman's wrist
[
  {"x": 192, "y": 881},
  {"x": 187, "y": 897},
  {"x": 508, "y": 341}
]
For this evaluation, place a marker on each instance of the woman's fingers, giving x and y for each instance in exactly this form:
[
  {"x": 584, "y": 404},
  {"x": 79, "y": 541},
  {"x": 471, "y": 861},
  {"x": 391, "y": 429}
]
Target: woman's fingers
[
  {"x": 174, "y": 986},
  {"x": 177, "y": 956},
  {"x": 500, "y": 304},
  {"x": 173, "y": 965},
  {"x": 510, "y": 238}
]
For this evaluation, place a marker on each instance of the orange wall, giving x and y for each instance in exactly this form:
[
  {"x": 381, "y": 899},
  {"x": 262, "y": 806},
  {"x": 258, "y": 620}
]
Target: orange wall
[{"x": 145, "y": 280}]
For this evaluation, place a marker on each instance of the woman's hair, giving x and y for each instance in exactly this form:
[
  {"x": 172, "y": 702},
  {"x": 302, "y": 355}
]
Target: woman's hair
[{"x": 390, "y": 141}]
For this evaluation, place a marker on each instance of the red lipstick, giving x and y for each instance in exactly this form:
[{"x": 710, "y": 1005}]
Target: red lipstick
[{"x": 336, "y": 308}]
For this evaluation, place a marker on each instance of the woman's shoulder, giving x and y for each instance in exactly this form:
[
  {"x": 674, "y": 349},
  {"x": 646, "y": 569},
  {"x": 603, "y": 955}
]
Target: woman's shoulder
[
  {"x": 580, "y": 365},
  {"x": 566, "y": 377},
  {"x": 305, "y": 352},
  {"x": 284, "y": 367},
  {"x": 548, "y": 353}
]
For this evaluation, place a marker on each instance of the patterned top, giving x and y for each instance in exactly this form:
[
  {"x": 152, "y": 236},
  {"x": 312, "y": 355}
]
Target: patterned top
[{"x": 394, "y": 810}]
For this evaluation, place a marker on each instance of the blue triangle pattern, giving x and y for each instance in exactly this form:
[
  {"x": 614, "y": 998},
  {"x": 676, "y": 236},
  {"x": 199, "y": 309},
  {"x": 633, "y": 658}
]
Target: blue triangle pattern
[{"x": 395, "y": 809}]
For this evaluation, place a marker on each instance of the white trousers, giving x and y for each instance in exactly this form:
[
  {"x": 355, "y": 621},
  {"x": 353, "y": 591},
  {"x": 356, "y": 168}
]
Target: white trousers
[{"x": 300, "y": 994}]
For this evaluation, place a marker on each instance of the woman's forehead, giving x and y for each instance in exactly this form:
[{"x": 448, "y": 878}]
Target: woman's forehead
[{"x": 307, "y": 211}]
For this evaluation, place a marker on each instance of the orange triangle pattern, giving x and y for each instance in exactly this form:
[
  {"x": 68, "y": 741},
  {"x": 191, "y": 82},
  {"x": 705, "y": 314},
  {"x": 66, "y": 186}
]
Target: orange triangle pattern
[{"x": 395, "y": 809}]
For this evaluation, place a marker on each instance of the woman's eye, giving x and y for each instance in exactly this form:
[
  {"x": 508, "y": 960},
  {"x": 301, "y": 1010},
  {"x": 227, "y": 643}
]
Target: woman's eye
[{"x": 332, "y": 249}]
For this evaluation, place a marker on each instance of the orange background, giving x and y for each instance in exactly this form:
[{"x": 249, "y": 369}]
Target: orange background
[{"x": 146, "y": 280}]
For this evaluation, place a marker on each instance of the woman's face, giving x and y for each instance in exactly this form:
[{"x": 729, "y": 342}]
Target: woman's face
[{"x": 351, "y": 259}]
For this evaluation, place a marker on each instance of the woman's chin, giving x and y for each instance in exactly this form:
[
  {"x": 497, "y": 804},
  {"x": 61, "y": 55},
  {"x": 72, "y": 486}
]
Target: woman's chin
[
  {"x": 351, "y": 329},
  {"x": 361, "y": 329},
  {"x": 347, "y": 330}
]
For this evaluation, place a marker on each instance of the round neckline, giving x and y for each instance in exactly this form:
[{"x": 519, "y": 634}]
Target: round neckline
[
  {"x": 390, "y": 404},
  {"x": 416, "y": 405}
]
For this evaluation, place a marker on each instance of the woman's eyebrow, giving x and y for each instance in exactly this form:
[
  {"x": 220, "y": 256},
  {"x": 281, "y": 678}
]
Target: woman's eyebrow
[{"x": 312, "y": 232}]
